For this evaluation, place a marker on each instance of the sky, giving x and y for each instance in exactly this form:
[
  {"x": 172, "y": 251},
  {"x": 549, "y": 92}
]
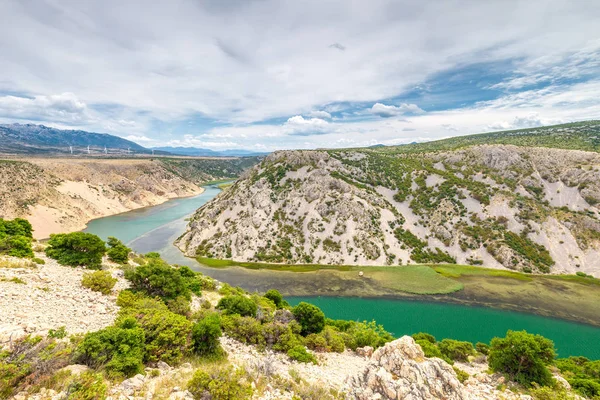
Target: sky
[{"x": 265, "y": 75}]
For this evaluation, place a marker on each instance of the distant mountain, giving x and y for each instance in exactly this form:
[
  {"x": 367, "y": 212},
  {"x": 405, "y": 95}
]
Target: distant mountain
[
  {"x": 194, "y": 151},
  {"x": 35, "y": 139}
]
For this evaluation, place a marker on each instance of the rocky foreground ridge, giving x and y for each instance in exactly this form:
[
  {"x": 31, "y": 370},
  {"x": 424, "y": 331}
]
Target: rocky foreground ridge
[
  {"x": 398, "y": 370},
  {"x": 500, "y": 206}
]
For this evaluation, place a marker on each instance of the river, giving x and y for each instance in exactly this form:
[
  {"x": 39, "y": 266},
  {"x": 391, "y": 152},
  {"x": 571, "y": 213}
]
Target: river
[{"x": 156, "y": 228}]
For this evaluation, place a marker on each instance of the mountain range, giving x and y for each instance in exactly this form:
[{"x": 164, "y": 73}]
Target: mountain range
[
  {"x": 199, "y": 152},
  {"x": 40, "y": 139}
]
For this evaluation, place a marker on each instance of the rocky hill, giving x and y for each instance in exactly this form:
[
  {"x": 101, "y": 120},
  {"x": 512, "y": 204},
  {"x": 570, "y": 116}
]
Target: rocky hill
[
  {"x": 62, "y": 195},
  {"x": 526, "y": 208}
]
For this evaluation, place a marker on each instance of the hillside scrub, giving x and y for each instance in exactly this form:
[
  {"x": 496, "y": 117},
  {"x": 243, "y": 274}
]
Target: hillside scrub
[
  {"x": 16, "y": 237},
  {"x": 99, "y": 281},
  {"x": 76, "y": 249},
  {"x": 523, "y": 357},
  {"x": 117, "y": 251}
]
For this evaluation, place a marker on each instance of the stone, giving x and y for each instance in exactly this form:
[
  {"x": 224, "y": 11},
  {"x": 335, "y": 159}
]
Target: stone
[
  {"x": 400, "y": 371},
  {"x": 366, "y": 351}
]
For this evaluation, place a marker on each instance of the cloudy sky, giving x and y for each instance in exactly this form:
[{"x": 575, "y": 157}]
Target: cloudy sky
[{"x": 273, "y": 74}]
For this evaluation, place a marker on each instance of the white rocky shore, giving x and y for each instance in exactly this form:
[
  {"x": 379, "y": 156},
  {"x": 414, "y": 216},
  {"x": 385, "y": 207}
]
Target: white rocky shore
[{"x": 52, "y": 297}]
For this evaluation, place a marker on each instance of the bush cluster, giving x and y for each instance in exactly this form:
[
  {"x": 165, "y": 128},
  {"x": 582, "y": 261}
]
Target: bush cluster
[
  {"x": 76, "y": 249},
  {"x": 16, "y": 237},
  {"x": 523, "y": 357},
  {"x": 117, "y": 251},
  {"x": 99, "y": 281},
  {"x": 449, "y": 350}
]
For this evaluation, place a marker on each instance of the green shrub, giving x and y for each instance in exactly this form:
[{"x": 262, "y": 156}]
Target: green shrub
[
  {"x": 424, "y": 336},
  {"x": 582, "y": 374},
  {"x": 130, "y": 302},
  {"x": 310, "y": 318},
  {"x": 483, "y": 348},
  {"x": 219, "y": 383},
  {"x": 180, "y": 305},
  {"x": 38, "y": 261},
  {"x": 59, "y": 333},
  {"x": 334, "y": 339},
  {"x": 86, "y": 386},
  {"x": 523, "y": 357},
  {"x": 119, "y": 349},
  {"x": 15, "y": 227},
  {"x": 556, "y": 392},
  {"x": 167, "y": 334},
  {"x": 244, "y": 329},
  {"x": 117, "y": 251},
  {"x": 316, "y": 342},
  {"x": 237, "y": 304},
  {"x": 157, "y": 278},
  {"x": 461, "y": 375},
  {"x": 205, "y": 336},
  {"x": 299, "y": 353},
  {"x": 288, "y": 340},
  {"x": 456, "y": 350},
  {"x": 369, "y": 334},
  {"x": 76, "y": 249},
  {"x": 432, "y": 350},
  {"x": 99, "y": 281},
  {"x": 16, "y": 246},
  {"x": 275, "y": 297}
]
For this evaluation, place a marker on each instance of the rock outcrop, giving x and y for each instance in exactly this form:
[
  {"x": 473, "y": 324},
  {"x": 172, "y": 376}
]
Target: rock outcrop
[
  {"x": 400, "y": 371},
  {"x": 500, "y": 206}
]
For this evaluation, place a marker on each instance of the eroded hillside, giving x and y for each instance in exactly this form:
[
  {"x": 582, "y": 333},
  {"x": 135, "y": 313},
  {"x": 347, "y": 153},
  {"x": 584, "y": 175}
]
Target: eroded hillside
[
  {"x": 531, "y": 209},
  {"x": 60, "y": 195}
]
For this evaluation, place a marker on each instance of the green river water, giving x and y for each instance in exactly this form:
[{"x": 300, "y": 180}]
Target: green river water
[{"x": 156, "y": 228}]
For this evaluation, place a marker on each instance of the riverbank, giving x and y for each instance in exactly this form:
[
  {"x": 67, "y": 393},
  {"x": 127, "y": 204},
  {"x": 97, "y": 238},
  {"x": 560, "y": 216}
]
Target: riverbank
[{"x": 466, "y": 285}]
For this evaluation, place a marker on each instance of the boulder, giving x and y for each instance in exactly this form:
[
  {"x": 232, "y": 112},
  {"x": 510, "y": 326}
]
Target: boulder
[{"x": 400, "y": 371}]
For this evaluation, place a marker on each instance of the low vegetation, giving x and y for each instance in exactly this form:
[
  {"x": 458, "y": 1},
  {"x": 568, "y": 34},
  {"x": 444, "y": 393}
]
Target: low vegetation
[
  {"x": 16, "y": 237},
  {"x": 76, "y": 249},
  {"x": 99, "y": 281}
]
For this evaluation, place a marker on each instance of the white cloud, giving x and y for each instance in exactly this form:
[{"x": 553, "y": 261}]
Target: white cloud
[
  {"x": 319, "y": 114},
  {"x": 143, "y": 140},
  {"x": 298, "y": 125},
  {"x": 135, "y": 70},
  {"x": 65, "y": 107},
  {"x": 385, "y": 111}
]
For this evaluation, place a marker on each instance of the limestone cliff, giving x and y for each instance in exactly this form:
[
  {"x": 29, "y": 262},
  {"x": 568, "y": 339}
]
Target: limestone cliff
[{"x": 501, "y": 206}]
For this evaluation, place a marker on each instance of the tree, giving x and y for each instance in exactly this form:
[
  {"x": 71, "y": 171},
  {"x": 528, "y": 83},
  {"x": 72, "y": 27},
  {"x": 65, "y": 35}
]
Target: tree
[
  {"x": 16, "y": 246},
  {"x": 456, "y": 350},
  {"x": 77, "y": 248},
  {"x": 120, "y": 349},
  {"x": 238, "y": 304},
  {"x": 205, "y": 336},
  {"x": 157, "y": 278},
  {"x": 310, "y": 318},
  {"x": 117, "y": 251},
  {"x": 275, "y": 296},
  {"x": 523, "y": 357}
]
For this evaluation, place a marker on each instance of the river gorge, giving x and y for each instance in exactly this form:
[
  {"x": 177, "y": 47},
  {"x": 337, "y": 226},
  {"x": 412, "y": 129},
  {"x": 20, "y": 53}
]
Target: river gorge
[{"x": 458, "y": 316}]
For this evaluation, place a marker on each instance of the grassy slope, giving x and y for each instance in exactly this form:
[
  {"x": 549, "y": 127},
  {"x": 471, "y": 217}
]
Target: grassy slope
[
  {"x": 574, "y": 136},
  {"x": 414, "y": 279},
  {"x": 569, "y": 297}
]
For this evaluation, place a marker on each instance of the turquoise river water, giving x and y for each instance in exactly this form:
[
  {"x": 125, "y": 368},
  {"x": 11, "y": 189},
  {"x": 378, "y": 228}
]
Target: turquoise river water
[{"x": 156, "y": 228}]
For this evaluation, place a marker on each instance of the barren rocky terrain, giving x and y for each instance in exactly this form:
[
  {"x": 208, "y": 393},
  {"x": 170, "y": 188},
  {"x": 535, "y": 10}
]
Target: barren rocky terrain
[
  {"x": 500, "y": 206},
  {"x": 62, "y": 194},
  {"x": 54, "y": 298}
]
